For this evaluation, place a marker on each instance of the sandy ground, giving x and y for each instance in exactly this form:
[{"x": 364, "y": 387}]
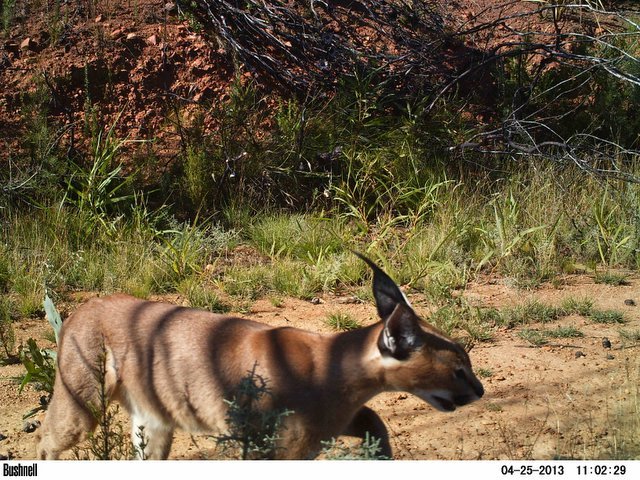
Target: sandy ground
[{"x": 540, "y": 402}]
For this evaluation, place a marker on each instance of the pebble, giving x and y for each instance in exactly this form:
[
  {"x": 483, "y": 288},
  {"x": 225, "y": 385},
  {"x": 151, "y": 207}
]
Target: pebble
[
  {"x": 154, "y": 40},
  {"x": 2, "y": 437},
  {"x": 610, "y": 357},
  {"x": 27, "y": 44},
  {"x": 580, "y": 353},
  {"x": 629, "y": 302}
]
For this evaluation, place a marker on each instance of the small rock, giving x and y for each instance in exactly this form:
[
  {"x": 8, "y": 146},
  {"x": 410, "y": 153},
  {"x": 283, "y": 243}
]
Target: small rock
[
  {"x": 316, "y": 301},
  {"x": 2, "y": 437},
  {"x": 99, "y": 18},
  {"x": 170, "y": 7},
  {"x": 580, "y": 353},
  {"x": 30, "y": 426},
  {"x": 116, "y": 33},
  {"x": 7, "y": 456},
  {"x": 630, "y": 302},
  {"x": 132, "y": 36},
  {"x": 27, "y": 44},
  {"x": 610, "y": 357},
  {"x": 606, "y": 343},
  {"x": 153, "y": 40},
  {"x": 403, "y": 396}
]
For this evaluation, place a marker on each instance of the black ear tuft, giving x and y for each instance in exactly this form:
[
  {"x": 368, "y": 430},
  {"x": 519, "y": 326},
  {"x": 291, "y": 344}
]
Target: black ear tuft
[{"x": 386, "y": 293}]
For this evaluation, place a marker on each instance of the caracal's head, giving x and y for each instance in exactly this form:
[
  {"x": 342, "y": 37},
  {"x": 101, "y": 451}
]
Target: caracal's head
[{"x": 417, "y": 357}]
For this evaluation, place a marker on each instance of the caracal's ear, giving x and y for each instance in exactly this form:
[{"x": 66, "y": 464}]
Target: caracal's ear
[
  {"x": 386, "y": 293},
  {"x": 399, "y": 337}
]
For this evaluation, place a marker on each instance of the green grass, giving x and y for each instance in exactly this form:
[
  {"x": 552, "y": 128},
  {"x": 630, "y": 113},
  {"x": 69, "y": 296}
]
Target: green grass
[
  {"x": 534, "y": 337},
  {"x": 432, "y": 230},
  {"x": 530, "y": 312},
  {"x": 342, "y": 321},
  {"x": 7, "y": 333},
  {"x": 5, "y": 271},
  {"x": 302, "y": 237},
  {"x": 201, "y": 295},
  {"x": 368, "y": 449},
  {"x": 632, "y": 336},
  {"x": 564, "y": 332},
  {"x": 581, "y": 306},
  {"x": 585, "y": 308},
  {"x": 291, "y": 277},
  {"x": 249, "y": 283},
  {"x": 611, "y": 278},
  {"x": 541, "y": 337},
  {"x": 447, "y": 318},
  {"x": 607, "y": 316},
  {"x": 276, "y": 301}
]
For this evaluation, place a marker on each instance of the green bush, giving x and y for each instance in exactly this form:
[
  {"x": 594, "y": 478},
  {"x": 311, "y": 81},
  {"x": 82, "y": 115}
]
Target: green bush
[{"x": 252, "y": 432}]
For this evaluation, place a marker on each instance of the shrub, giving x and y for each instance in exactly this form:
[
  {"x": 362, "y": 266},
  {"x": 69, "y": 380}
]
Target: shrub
[{"x": 252, "y": 432}]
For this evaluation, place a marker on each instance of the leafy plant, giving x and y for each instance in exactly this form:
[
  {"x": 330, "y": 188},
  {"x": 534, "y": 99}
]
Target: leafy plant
[
  {"x": 101, "y": 188},
  {"x": 377, "y": 187},
  {"x": 185, "y": 249},
  {"x": 40, "y": 365},
  {"x": 368, "y": 449},
  {"x": 108, "y": 441},
  {"x": 252, "y": 430},
  {"x": 484, "y": 372},
  {"x": 197, "y": 175},
  {"x": 55, "y": 320}
]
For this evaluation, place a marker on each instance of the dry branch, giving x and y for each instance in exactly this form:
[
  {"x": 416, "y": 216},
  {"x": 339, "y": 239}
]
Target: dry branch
[{"x": 307, "y": 46}]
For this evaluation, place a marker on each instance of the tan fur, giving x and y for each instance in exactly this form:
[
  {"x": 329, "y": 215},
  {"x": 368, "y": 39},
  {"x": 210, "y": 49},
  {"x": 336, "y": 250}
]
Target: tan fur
[{"x": 171, "y": 367}]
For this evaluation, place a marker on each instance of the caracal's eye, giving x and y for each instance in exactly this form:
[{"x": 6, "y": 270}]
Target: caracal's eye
[{"x": 460, "y": 374}]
